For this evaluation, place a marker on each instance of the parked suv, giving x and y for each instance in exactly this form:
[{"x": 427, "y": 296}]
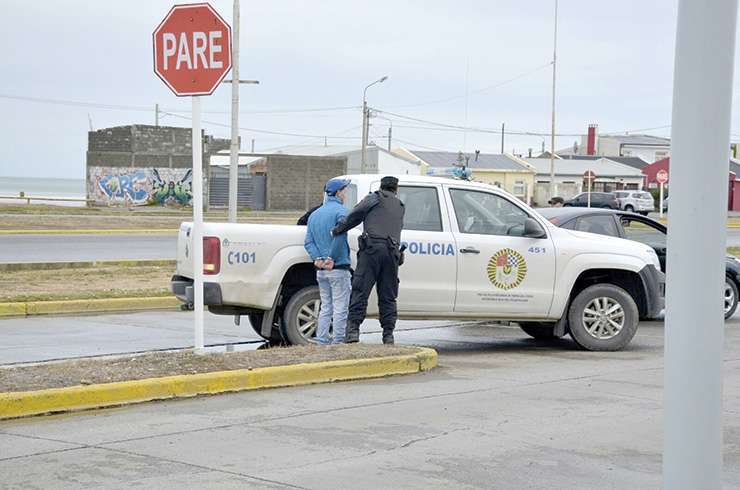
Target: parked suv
[
  {"x": 598, "y": 200},
  {"x": 640, "y": 202}
]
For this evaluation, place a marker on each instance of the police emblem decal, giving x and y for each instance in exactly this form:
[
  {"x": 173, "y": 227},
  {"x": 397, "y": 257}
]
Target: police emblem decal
[{"x": 507, "y": 269}]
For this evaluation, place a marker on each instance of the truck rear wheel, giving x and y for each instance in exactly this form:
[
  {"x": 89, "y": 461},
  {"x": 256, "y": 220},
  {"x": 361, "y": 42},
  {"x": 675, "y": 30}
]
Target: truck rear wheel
[
  {"x": 603, "y": 317},
  {"x": 255, "y": 319},
  {"x": 539, "y": 330},
  {"x": 301, "y": 316}
]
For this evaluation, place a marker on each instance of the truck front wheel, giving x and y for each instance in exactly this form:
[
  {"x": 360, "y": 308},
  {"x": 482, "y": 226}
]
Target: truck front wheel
[
  {"x": 603, "y": 317},
  {"x": 539, "y": 330},
  {"x": 301, "y": 316}
]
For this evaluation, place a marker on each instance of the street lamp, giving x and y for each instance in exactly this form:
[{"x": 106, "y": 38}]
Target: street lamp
[{"x": 366, "y": 122}]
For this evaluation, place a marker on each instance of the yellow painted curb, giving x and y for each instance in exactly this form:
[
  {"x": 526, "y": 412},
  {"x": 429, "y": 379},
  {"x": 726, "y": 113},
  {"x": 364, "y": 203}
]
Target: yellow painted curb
[
  {"x": 21, "y": 404},
  {"x": 12, "y": 309},
  {"x": 118, "y": 231},
  {"x": 87, "y": 305},
  {"x": 46, "y": 266}
]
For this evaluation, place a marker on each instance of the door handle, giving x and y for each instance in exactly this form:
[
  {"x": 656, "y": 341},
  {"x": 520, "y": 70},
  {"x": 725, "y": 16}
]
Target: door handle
[{"x": 469, "y": 250}]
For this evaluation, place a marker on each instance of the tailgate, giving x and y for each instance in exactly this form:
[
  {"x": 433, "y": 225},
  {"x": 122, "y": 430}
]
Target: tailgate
[{"x": 184, "y": 250}]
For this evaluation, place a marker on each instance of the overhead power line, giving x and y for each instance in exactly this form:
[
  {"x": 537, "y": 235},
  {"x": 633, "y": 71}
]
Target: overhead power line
[
  {"x": 473, "y": 129},
  {"x": 265, "y": 131},
  {"x": 98, "y": 105},
  {"x": 480, "y": 90}
]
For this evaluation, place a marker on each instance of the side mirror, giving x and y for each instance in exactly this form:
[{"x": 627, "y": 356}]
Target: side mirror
[{"x": 532, "y": 229}]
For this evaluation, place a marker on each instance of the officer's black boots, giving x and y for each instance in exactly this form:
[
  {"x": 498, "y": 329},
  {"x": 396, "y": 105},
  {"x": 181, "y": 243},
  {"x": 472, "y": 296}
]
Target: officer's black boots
[
  {"x": 388, "y": 337},
  {"x": 352, "y": 335}
]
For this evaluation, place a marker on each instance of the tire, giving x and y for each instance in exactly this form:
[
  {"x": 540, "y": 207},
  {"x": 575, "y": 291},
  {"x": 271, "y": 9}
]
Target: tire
[
  {"x": 629, "y": 208},
  {"x": 300, "y": 316},
  {"x": 603, "y": 336},
  {"x": 731, "y": 297},
  {"x": 539, "y": 330}
]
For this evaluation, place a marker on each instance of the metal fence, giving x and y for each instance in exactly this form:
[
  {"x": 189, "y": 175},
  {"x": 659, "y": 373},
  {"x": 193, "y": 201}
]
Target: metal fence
[{"x": 251, "y": 192}]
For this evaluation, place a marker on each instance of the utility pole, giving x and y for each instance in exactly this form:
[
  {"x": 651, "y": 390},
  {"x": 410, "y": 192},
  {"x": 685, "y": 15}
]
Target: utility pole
[
  {"x": 156, "y": 115},
  {"x": 234, "y": 149},
  {"x": 252, "y": 145},
  {"x": 363, "y": 165},
  {"x": 694, "y": 325},
  {"x": 390, "y": 134},
  {"x": 502, "y": 138},
  {"x": 552, "y": 131}
]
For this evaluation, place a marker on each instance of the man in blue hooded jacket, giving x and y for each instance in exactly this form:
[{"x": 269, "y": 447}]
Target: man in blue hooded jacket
[{"x": 330, "y": 255}]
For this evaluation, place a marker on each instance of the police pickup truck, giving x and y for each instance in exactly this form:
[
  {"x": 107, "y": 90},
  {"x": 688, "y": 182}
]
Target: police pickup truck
[{"x": 473, "y": 252}]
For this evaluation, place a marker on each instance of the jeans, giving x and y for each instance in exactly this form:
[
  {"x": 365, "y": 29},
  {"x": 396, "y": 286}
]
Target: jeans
[{"x": 334, "y": 287}]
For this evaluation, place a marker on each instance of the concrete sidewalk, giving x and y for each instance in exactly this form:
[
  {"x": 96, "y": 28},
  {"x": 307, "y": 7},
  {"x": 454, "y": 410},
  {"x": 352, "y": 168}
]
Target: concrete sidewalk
[{"x": 501, "y": 411}]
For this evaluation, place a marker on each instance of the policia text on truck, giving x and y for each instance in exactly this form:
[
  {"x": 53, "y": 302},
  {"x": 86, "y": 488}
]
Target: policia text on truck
[{"x": 474, "y": 252}]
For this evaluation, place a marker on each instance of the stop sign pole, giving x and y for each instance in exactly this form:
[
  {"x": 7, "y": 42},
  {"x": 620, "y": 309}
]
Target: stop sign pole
[{"x": 192, "y": 55}]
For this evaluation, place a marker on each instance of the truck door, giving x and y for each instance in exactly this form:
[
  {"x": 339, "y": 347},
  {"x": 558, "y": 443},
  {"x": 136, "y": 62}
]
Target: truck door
[
  {"x": 430, "y": 268},
  {"x": 500, "y": 272}
]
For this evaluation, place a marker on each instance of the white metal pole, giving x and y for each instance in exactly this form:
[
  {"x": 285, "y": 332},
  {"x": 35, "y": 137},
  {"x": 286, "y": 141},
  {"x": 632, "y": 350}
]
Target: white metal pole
[
  {"x": 234, "y": 149},
  {"x": 588, "y": 191},
  {"x": 197, "y": 232},
  {"x": 660, "y": 212},
  {"x": 553, "y": 188},
  {"x": 694, "y": 327}
]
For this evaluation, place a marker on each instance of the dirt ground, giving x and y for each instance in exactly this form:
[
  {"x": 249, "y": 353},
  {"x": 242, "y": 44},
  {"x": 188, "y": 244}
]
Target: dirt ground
[
  {"x": 88, "y": 283},
  {"x": 93, "y": 371}
]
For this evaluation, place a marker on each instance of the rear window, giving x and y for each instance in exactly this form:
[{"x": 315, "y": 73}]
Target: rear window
[{"x": 622, "y": 194}]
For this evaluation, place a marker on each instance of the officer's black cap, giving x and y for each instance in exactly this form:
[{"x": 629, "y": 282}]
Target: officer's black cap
[{"x": 389, "y": 183}]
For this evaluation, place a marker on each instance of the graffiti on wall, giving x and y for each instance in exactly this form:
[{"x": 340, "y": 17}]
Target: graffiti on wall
[{"x": 140, "y": 186}]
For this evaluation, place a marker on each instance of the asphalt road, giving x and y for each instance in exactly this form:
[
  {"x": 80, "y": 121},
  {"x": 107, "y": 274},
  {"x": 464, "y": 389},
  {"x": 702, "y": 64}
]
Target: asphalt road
[
  {"x": 69, "y": 248},
  {"x": 61, "y": 248},
  {"x": 500, "y": 411}
]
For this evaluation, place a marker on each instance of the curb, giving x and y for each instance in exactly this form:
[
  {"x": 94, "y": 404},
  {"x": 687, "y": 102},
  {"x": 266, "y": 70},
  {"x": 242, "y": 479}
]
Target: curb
[
  {"x": 120, "y": 231},
  {"x": 23, "y": 266},
  {"x": 23, "y": 404},
  {"x": 86, "y": 306}
]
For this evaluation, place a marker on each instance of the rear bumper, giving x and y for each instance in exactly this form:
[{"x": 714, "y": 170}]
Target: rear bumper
[
  {"x": 182, "y": 288},
  {"x": 654, "y": 283}
]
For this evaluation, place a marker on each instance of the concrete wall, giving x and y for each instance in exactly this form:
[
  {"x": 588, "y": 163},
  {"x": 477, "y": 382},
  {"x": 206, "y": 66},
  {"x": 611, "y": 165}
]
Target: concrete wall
[
  {"x": 390, "y": 164},
  {"x": 297, "y": 182}
]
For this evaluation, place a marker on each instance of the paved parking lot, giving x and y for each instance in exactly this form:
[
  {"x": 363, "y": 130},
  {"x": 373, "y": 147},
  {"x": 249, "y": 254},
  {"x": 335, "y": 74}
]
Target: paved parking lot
[{"x": 500, "y": 411}]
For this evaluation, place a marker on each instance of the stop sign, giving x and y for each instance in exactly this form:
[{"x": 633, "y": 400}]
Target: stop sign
[
  {"x": 661, "y": 176},
  {"x": 192, "y": 49}
]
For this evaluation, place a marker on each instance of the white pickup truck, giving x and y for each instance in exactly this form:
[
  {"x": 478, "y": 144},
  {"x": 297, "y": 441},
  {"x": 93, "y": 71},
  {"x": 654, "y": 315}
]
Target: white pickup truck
[{"x": 474, "y": 252}]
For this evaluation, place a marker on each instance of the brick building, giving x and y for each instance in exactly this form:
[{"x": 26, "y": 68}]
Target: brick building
[
  {"x": 151, "y": 165},
  {"x": 142, "y": 164}
]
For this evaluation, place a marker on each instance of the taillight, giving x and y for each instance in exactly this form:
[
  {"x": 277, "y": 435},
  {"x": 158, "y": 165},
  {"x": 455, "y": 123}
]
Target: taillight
[{"x": 211, "y": 255}]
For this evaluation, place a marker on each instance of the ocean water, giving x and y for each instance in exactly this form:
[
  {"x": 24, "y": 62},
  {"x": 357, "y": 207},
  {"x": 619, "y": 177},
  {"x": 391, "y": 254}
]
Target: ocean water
[{"x": 42, "y": 187}]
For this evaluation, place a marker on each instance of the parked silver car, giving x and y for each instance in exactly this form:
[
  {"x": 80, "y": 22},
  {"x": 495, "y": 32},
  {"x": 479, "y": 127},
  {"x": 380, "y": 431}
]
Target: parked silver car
[{"x": 636, "y": 201}]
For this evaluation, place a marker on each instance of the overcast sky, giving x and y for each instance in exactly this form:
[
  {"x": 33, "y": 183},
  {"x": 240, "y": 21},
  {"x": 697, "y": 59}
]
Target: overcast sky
[{"x": 615, "y": 63}]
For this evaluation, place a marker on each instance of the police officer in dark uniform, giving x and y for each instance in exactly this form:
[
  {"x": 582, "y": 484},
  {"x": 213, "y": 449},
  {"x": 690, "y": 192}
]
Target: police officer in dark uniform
[{"x": 378, "y": 259}]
